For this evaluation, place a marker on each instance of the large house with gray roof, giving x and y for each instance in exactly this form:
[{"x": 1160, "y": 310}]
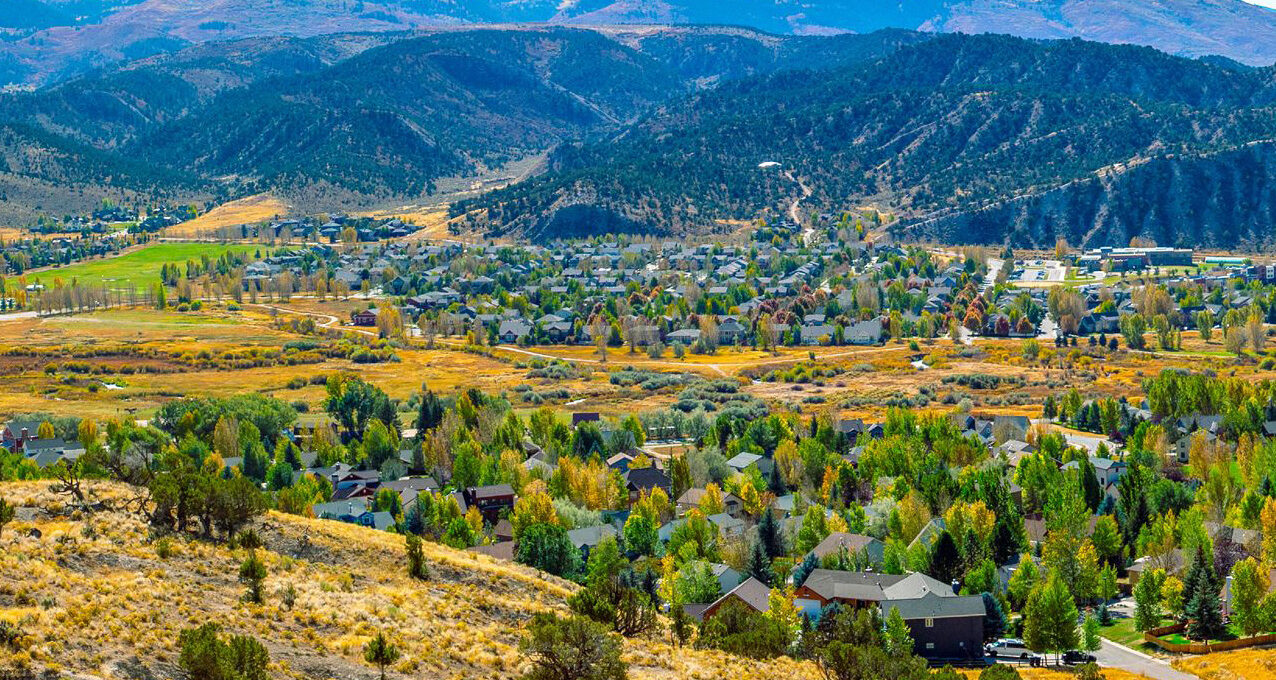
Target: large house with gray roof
[{"x": 944, "y": 625}]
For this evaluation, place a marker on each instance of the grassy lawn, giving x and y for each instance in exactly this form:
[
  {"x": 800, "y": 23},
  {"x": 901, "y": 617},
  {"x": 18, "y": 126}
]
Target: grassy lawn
[
  {"x": 1122, "y": 632},
  {"x": 140, "y": 267},
  {"x": 1233, "y": 632}
]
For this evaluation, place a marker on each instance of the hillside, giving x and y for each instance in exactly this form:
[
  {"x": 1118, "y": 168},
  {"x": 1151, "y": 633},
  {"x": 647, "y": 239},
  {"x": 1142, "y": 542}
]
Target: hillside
[
  {"x": 940, "y": 128},
  {"x": 95, "y": 599},
  {"x": 353, "y": 118}
]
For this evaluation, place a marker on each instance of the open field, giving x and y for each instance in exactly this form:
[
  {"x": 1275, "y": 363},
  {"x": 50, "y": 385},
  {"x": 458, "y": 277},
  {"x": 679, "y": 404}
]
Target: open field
[
  {"x": 9, "y": 234},
  {"x": 93, "y": 596},
  {"x": 1241, "y": 664},
  {"x": 141, "y": 358},
  {"x": 249, "y": 210},
  {"x": 139, "y": 267}
]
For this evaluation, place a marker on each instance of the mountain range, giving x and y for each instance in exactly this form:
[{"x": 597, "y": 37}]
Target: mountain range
[
  {"x": 966, "y": 138},
  {"x": 363, "y": 116},
  {"x": 46, "y": 41},
  {"x": 672, "y": 130}
]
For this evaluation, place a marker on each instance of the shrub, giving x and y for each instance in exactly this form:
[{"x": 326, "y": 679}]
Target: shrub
[
  {"x": 999, "y": 671},
  {"x": 204, "y": 656},
  {"x": 571, "y": 648}
]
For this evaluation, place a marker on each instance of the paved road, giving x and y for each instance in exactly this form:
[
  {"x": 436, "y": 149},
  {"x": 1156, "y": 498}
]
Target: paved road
[{"x": 1112, "y": 655}]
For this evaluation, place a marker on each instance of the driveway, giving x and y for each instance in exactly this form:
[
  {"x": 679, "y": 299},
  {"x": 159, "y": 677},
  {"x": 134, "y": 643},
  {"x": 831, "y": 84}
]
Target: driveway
[{"x": 1113, "y": 655}]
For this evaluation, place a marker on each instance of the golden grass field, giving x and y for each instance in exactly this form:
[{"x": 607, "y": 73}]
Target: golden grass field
[
  {"x": 95, "y": 599},
  {"x": 869, "y": 377},
  {"x": 250, "y": 210},
  {"x": 1241, "y": 664}
]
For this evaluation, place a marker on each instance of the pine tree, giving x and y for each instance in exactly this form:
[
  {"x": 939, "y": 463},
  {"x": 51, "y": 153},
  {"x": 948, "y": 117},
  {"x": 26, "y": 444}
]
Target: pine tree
[
  {"x": 1005, "y": 544},
  {"x": 416, "y": 558},
  {"x": 769, "y": 535},
  {"x": 429, "y": 413},
  {"x": 758, "y": 565},
  {"x": 381, "y": 652},
  {"x": 1205, "y": 620},
  {"x": 945, "y": 560},
  {"x": 775, "y": 483},
  {"x": 803, "y": 570}
]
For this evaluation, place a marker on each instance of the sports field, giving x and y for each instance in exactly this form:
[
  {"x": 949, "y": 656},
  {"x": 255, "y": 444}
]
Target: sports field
[{"x": 139, "y": 267}]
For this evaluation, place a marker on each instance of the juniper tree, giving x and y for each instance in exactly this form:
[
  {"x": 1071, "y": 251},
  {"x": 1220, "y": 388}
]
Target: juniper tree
[{"x": 381, "y": 652}]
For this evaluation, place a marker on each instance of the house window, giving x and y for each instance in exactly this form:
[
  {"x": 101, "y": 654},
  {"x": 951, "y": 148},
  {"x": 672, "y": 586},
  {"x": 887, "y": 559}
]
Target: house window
[
  {"x": 930, "y": 645},
  {"x": 930, "y": 623}
]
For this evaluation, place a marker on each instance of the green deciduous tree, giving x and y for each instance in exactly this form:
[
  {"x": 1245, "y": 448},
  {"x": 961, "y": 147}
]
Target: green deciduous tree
[
  {"x": 1249, "y": 585},
  {"x": 1147, "y": 600},
  {"x": 897, "y": 637},
  {"x": 1050, "y": 618}
]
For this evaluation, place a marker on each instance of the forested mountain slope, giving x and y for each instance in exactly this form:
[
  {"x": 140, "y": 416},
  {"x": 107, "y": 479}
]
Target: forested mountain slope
[
  {"x": 378, "y": 119},
  {"x": 939, "y": 128}
]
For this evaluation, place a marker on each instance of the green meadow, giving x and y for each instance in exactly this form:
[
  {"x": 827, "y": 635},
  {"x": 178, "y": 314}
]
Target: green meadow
[{"x": 140, "y": 267}]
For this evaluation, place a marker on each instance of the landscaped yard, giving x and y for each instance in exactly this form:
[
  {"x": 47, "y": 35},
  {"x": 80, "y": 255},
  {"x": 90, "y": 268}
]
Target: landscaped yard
[
  {"x": 1122, "y": 632},
  {"x": 140, "y": 267}
]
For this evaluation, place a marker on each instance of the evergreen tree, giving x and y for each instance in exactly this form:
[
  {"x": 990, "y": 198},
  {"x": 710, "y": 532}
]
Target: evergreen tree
[
  {"x": 416, "y": 558},
  {"x": 758, "y": 564},
  {"x": 1204, "y": 618},
  {"x": 775, "y": 483},
  {"x": 994, "y": 617},
  {"x": 803, "y": 570},
  {"x": 429, "y": 412},
  {"x": 380, "y": 652},
  {"x": 945, "y": 560},
  {"x": 769, "y": 535},
  {"x": 1090, "y": 489},
  {"x": 1005, "y": 543},
  {"x": 252, "y": 573}
]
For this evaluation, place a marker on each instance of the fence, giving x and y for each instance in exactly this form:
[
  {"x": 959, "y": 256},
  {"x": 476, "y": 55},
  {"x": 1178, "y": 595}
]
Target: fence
[{"x": 1153, "y": 636}]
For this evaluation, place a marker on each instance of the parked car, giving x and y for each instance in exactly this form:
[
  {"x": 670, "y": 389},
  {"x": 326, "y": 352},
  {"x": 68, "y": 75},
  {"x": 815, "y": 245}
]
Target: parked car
[
  {"x": 1010, "y": 648},
  {"x": 1077, "y": 657}
]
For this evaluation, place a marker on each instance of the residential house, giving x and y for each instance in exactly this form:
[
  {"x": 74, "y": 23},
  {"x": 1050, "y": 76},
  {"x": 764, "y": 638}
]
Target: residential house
[
  {"x": 364, "y": 317},
  {"x": 585, "y": 539},
  {"x": 17, "y": 432},
  {"x": 46, "y": 452},
  {"x": 691, "y": 499},
  {"x": 643, "y": 480},
  {"x": 854, "y": 544},
  {"x": 943, "y": 624},
  {"x": 491, "y": 500},
  {"x": 752, "y": 593}
]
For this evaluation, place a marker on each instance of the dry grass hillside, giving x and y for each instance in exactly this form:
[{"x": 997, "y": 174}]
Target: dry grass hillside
[
  {"x": 96, "y": 600},
  {"x": 98, "y": 596}
]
